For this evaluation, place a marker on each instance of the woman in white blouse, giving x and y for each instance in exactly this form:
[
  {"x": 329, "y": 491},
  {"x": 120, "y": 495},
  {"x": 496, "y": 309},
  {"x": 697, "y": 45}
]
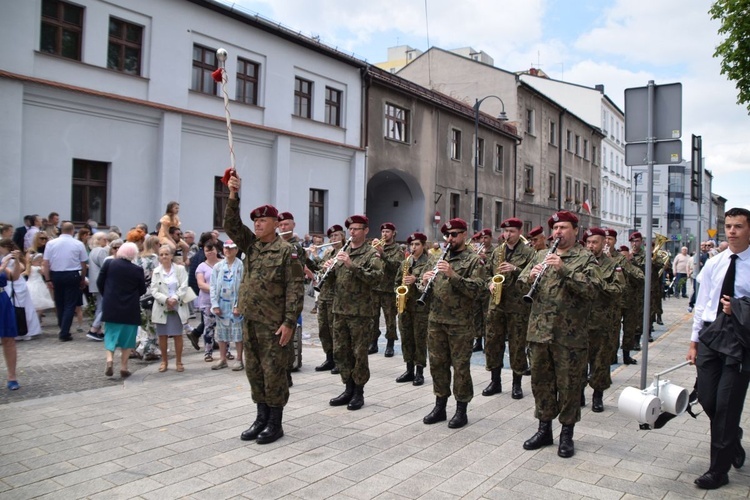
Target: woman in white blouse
[{"x": 169, "y": 286}]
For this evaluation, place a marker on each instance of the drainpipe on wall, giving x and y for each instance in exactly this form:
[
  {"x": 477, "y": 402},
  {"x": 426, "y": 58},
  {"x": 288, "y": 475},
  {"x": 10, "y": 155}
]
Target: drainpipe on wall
[{"x": 560, "y": 162}]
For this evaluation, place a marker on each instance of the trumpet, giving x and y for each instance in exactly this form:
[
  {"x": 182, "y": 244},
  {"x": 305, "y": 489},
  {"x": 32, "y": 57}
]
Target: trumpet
[
  {"x": 403, "y": 289},
  {"x": 529, "y": 297},
  {"x": 322, "y": 279},
  {"x": 498, "y": 279},
  {"x": 376, "y": 243},
  {"x": 422, "y": 300}
]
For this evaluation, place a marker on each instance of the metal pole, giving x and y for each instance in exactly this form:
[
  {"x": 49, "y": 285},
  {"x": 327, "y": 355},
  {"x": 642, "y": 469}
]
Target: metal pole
[
  {"x": 697, "y": 265},
  {"x": 476, "y": 165},
  {"x": 649, "y": 216}
]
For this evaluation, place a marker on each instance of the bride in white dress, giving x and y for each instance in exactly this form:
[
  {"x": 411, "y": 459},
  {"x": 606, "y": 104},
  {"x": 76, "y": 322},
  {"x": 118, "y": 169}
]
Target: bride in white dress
[{"x": 38, "y": 290}]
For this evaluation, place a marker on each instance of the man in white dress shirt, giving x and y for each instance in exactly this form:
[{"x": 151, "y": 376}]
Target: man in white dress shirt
[{"x": 722, "y": 382}]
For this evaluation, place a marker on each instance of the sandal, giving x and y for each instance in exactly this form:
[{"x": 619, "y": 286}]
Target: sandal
[
  {"x": 230, "y": 356},
  {"x": 208, "y": 358},
  {"x": 163, "y": 367},
  {"x": 108, "y": 372},
  {"x": 124, "y": 373},
  {"x": 180, "y": 368}
]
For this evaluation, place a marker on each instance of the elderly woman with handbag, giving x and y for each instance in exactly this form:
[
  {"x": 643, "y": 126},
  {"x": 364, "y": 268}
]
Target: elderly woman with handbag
[{"x": 169, "y": 287}]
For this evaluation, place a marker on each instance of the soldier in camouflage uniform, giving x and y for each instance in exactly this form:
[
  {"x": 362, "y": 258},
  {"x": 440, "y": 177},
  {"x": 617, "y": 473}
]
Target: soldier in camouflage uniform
[
  {"x": 604, "y": 306},
  {"x": 632, "y": 323},
  {"x": 631, "y": 274},
  {"x": 557, "y": 333},
  {"x": 459, "y": 277},
  {"x": 325, "y": 302},
  {"x": 270, "y": 299},
  {"x": 509, "y": 319},
  {"x": 385, "y": 295},
  {"x": 413, "y": 320},
  {"x": 484, "y": 249},
  {"x": 355, "y": 274}
]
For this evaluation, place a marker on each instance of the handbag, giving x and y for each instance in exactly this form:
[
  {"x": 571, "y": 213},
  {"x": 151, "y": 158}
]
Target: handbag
[
  {"x": 189, "y": 296},
  {"x": 21, "y": 327},
  {"x": 147, "y": 301}
]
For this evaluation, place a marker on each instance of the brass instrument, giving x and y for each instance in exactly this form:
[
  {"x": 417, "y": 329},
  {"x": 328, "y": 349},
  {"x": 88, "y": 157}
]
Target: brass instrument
[
  {"x": 606, "y": 250},
  {"x": 498, "y": 279},
  {"x": 659, "y": 255},
  {"x": 524, "y": 240},
  {"x": 529, "y": 297},
  {"x": 402, "y": 290},
  {"x": 422, "y": 300},
  {"x": 376, "y": 243},
  {"x": 319, "y": 284}
]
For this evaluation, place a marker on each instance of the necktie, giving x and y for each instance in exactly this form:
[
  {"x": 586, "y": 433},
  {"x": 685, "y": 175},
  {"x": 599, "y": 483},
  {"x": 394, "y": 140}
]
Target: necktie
[{"x": 727, "y": 286}]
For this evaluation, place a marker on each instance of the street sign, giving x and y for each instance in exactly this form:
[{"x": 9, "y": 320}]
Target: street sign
[
  {"x": 711, "y": 233},
  {"x": 667, "y": 113},
  {"x": 665, "y": 153}
]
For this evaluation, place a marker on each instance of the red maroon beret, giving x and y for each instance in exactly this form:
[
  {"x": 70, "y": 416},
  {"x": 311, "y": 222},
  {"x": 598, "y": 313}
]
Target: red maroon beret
[
  {"x": 486, "y": 232},
  {"x": 610, "y": 232},
  {"x": 264, "y": 211},
  {"x": 388, "y": 225},
  {"x": 334, "y": 229},
  {"x": 477, "y": 235},
  {"x": 285, "y": 216},
  {"x": 454, "y": 224},
  {"x": 624, "y": 248},
  {"x": 357, "y": 219},
  {"x": 536, "y": 231},
  {"x": 593, "y": 231},
  {"x": 635, "y": 236},
  {"x": 416, "y": 236},
  {"x": 563, "y": 216},
  {"x": 512, "y": 222}
]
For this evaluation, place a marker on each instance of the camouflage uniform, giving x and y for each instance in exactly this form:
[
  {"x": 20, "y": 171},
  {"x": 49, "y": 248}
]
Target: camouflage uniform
[
  {"x": 353, "y": 309},
  {"x": 413, "y": 321},
  {"x": 384, "y": 294},
  {"x": 450, "y": 331},
  {"x": 482, "y": 301},
  {"x": 270, "y": 295},
  {"x": 603, "y": 311},
  {"x": 509, "y": 320},
  {"x": 325, "y": 308},
  {"x": 301, "y": 255},
  {"x": 632, "y": 323},
  {"x": 622, "y": 303},
  {"x": 557, "y": 333}
]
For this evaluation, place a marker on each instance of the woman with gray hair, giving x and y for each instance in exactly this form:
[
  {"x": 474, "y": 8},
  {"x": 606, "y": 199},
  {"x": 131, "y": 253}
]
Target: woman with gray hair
[
  {"x": 97, "y": 255},
  {"x": 121, "y": 284}
]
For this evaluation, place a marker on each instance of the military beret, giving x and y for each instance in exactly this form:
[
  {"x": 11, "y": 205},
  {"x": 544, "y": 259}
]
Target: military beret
[
  {"x": 536, "y": 231},
  {"x": 416, "y": 236},
  {"x": 286, "y": 216},
  {"x": 512, "y": 222},
  {"x": 457, "y": 224},
  {"x": 549, "y": 238},
  {"x": 334, "y": 229},
  {"x": 635, "y": 236},
  {"x": 624, "y": 248},
  {"x": 388, "y": 225},
  {"x": 477, "y": 235},
  {"x": 356, "y": 219},
  {"x": 593, "y": 231},
  {"x": 264, "y": 211},
  {"x": 563, "y": 216},
  {"x": 610, "y": 232},
  {"x": 486, "y": 232}
]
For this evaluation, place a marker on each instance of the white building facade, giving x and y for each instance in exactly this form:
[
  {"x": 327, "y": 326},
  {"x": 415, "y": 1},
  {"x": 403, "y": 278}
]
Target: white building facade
[{"x": 111, "y": 112}]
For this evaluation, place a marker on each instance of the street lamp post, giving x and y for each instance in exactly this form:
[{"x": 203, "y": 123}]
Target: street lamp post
[
  {"x": 636, "y": 178},
  {"x": 501, "y": 117}
]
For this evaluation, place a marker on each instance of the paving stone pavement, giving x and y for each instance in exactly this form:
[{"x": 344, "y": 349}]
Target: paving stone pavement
[{"x": 176, "y": 435}]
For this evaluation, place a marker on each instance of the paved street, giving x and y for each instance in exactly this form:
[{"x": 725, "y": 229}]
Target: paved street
[{"x": 72, "y": 433}]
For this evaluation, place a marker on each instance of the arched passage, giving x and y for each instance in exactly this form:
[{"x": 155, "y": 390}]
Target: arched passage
[{"x": 395, "y": 196}]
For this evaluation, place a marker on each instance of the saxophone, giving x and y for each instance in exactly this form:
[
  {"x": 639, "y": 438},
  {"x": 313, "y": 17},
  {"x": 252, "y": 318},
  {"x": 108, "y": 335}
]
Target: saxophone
[
  {"x": 402, "y": 290},
  {"x": 498, "y": 279}
]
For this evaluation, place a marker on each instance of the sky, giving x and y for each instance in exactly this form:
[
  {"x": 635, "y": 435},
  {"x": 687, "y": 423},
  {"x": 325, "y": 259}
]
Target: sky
[{"x": 618, "y": 43}]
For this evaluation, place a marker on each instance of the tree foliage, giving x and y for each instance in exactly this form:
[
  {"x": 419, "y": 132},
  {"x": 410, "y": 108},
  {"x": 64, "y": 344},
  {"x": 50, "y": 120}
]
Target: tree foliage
[{"x": 734, "y": 51}]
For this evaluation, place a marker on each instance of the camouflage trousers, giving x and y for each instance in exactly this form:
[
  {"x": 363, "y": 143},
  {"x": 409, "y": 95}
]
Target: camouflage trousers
[
  {"x": 632, "y": 322},
  {"x": 616, "y": 329},
  {"x": 351, "y": 338},
  {"x": 265, "y": 364},
  {"x": 479, "y": 313},
  {"x": 387, "y": 302},
  {"x": 556, "y": 381},
  {"x": 600, "y": 359},
  {"x": 506, "y": 327},
  {"x": 656, "y": 298},
  {"x": 413, "y": 326},
  {"x": 450, "y": 346},
  {"x": 325, "y": 324}
]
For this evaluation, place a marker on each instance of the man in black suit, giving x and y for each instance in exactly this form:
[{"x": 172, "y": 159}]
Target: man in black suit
[
  {"x": 722, "y": 380},
  {"x": 20, "y": 231}
]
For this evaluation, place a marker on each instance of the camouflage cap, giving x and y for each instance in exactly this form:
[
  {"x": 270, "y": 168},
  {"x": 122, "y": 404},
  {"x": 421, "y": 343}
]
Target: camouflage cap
[
  {"x": 357, "y": 219},
  {"x": 388, "y": 225},
  {"x": 457, "y": 224},
  {"x": 285, "y": 216},
  {"x": 416, "y": 236},
  {"x": 563, "y": 216},
  {"x": 264, "y": 211},
  {"x": 512, "y": 222},
  {"x": 333, "y": 229}
]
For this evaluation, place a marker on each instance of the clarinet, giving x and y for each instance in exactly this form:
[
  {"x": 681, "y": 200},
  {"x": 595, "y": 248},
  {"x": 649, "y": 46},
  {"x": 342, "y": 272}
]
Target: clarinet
[
  {"x": 529, "y": 297},
  {"x": 325, "y": 274},
  {"x": 423, "y": 298}
]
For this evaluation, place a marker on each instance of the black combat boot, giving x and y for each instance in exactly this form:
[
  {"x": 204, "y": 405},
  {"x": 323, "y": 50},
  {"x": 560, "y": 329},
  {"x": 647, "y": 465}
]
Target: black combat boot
[
  {"x": 373, "y": 347},
  {"x": 273, "y": 430},
  {"x": 459, "y": 418},
  {"x": 658, "y": 320},
  {"x": 328, "y": 364},
  {"x": 358, "y": 399},
  {"x": 637, "y": 346},
  {"x": 494, "y": 387},
  {"x": 565, "y": 449},
  {"x": 419, "y": 376},
  {"x": 516, "y": 392},
  {"x": 477, "y": 345},
  {"x": 597, "y": 403},
  {"x": 438, "y": 412},
  {"x": 542, "y": 437},
  {"x": 335, "y": 370},
  {"x": 583, "y": 396},
  {"x": 289, "y": 378},
  {"x": 389, "y": 348},
  {"x": 346, "y": 396},
  {"x": 261, "y": 419},
  {"x": 408, "y": 375},
  {"x": 626, "y": 359}
]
